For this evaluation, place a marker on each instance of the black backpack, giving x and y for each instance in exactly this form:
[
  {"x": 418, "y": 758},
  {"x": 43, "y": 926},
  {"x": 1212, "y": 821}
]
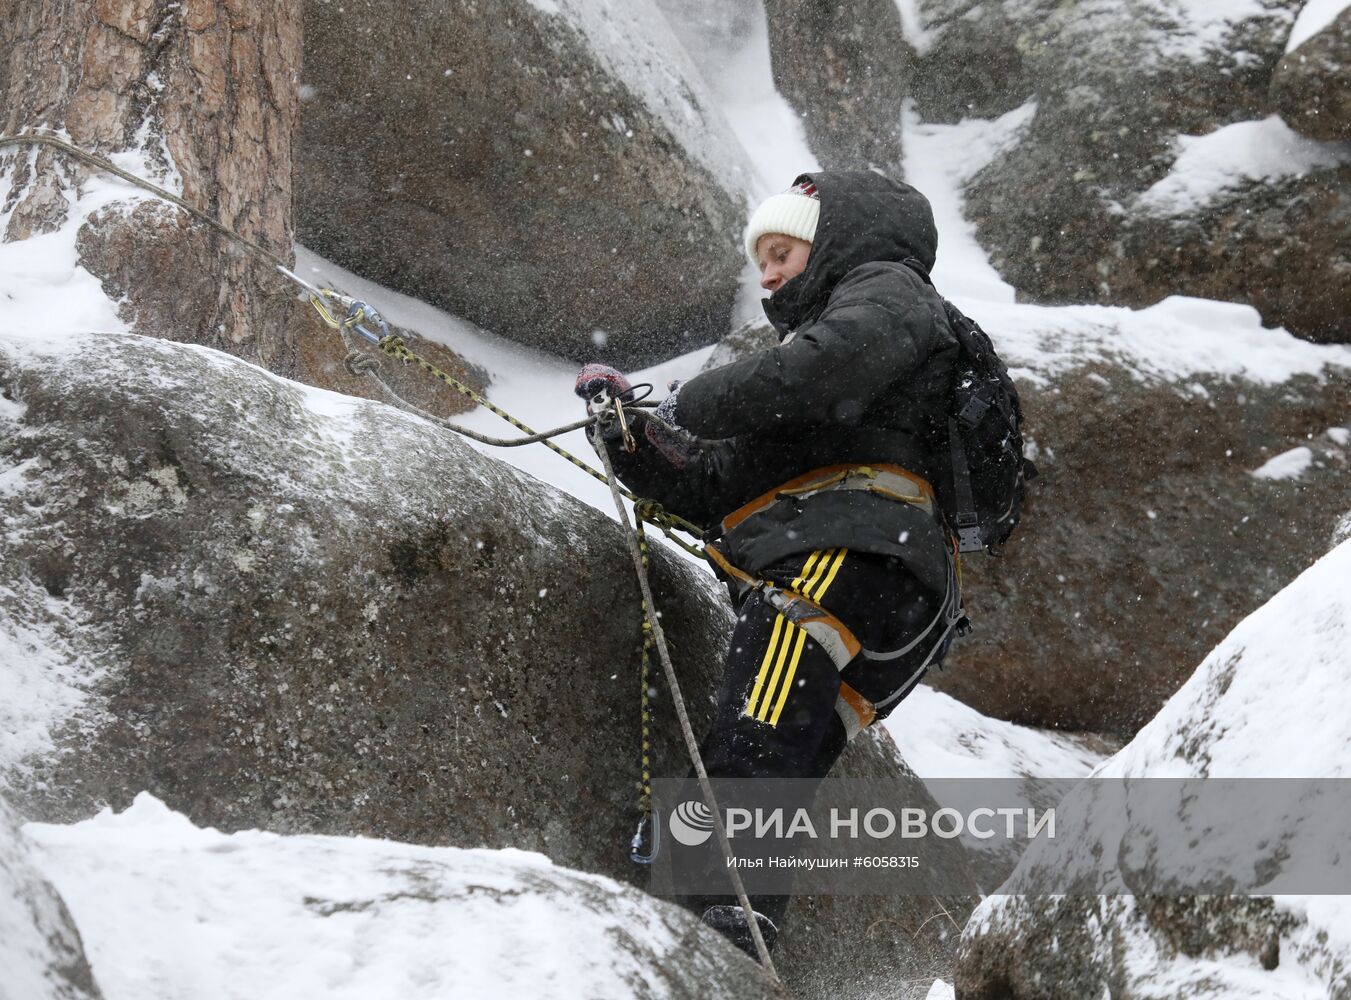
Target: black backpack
[{"x": 986, "y": 442}]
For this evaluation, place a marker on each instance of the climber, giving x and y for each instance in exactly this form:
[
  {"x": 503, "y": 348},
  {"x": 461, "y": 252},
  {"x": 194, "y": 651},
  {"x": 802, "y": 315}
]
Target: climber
[{"x": 816, "y": 468}]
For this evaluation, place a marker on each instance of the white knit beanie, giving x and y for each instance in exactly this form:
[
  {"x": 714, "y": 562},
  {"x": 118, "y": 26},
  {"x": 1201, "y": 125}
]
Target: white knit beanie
[{"x": 793, "y": 212}]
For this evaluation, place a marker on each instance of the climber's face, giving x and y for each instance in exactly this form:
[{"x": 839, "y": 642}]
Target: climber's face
[{"x": 780, "y": 258}]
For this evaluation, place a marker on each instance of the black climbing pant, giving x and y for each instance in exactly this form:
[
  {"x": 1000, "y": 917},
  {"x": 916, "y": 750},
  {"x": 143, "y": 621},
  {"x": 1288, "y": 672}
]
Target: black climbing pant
[{"x": 782, "y": 710}]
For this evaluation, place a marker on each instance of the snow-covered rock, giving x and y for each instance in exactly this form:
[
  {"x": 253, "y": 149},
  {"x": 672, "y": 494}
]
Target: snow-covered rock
[
  {"x": 1269, "y": 702},
  {"x": 276, "y": 607},
  {"x": 1126, "y": 93},
  {"x": 965, "y": 758},
  {"x": 1162, "y": 516},
  {"x": 544, "y": 169},
  {"x": 1312, "y": 84},
  {"x": 171, "y": 910},
  {"x": 41, "y": 954}
]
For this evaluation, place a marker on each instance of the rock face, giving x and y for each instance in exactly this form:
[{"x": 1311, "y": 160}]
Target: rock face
[
  {"x": 545, "y": 170},
  {"x": 844, "y": 68},
  {"x": 1124, "y": 94},
  {"x": 1312, "y": 84},
  {"x": 300, "y": 612},
  {"x": 40, "y": 949},
  {"x": 1266, "y": 703},
  {"x": 1145, "y": 538},
  {"x": 976, "y": 57},
  {"x": 1146, "y": 535},
  {"x": 1281, "y": 246}
]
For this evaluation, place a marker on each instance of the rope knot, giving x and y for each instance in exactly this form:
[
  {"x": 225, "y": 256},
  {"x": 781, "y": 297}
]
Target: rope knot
[{"x": 360, "y": 364}]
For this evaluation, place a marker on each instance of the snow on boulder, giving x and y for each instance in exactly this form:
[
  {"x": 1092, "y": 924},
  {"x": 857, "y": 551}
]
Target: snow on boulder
[
  {"x": 1269, "y": 702},
  {"x": 1068, "y": 213},
  {"x": 1312, "y": 84},
  {"x": 276, "y": 607},
  {"x": 555, "y": 172},
  {"x": 1287, "y": 465},
  {"x": 41, "y": 954},
  {"x": 1208, "y": 167},
  {"x": 172, "y": 910},
  {"x": 1314, "y": 17},
  {"x": 948, "y": 744}
]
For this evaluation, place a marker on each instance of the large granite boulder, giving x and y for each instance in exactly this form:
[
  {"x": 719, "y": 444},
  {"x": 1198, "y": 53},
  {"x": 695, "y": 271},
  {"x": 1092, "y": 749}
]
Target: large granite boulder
[
  {"x": 1190, "y": 462},
  {"x": 974, "y": 57},
  {"x": 845, "y": 68},
  {"x": 273, "y": 606},
  {"x": 1267, "y": 703},
  {"x": 1312, "y": 83},
  {"x": 1147, "y": 536},
  {"x": 552, "y": 171},
  {"x": 41, "y": 954},
  {"x": 1153, "y": 164}
]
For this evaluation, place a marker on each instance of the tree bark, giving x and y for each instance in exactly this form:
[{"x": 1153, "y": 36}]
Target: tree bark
[{"x": 206, "y": 94}]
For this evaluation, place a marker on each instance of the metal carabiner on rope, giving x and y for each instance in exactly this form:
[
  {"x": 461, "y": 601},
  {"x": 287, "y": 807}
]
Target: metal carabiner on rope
[
  {"x": 609, "y": 408},
  {"x": 650, "y": 822},
  {"x": 358, "y": 312}
]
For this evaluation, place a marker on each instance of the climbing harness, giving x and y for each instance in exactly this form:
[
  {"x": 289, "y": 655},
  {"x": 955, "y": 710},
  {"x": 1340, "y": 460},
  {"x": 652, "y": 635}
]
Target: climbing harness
[{"x": 890, "y": 481}]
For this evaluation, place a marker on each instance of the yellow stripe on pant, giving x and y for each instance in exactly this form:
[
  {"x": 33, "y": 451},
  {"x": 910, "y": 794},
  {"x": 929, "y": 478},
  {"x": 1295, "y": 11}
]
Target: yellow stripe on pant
[
  {"x": 779, "y": 625},
  {"x": 818, "y": 573}
]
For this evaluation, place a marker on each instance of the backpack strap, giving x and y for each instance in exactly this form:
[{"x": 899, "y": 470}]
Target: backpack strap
[{"x": 968, "y": 524}]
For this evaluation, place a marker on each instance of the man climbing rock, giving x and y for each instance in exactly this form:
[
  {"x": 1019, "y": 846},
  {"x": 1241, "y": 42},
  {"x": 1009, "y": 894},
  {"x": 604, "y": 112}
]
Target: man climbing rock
[{"x": 816, "y": 469}]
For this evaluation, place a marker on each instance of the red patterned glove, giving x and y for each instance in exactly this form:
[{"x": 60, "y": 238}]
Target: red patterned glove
[
  {"x": 593, "y": 378},
  {"x": 676, "y": 446}
]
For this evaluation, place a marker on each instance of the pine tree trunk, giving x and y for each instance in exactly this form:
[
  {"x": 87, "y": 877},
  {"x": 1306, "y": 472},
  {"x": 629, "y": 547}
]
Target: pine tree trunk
[{"x": 206, "y": 93}]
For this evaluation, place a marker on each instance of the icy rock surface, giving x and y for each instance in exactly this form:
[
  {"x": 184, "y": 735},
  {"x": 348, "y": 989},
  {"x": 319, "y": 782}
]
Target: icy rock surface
[
  {"x": 1269, "y": 702},
  {"x": 1124, "y": 94},
  {"x": 537, "y": 168},
  {"x": 173, "y": 910}
]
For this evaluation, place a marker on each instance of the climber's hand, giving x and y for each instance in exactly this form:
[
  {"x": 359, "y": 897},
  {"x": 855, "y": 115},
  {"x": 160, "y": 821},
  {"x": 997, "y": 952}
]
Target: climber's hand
[
  {"x": 594, "y": 377},
  {"x": 675, "y": 443}
]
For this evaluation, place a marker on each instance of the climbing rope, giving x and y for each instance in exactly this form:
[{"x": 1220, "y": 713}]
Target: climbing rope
[
  {"x": 357, "y": 317},
  {"x": 107, "y": 166},
  {"x": 653, "y": 625},
  {"x": 360, "y": 363}
]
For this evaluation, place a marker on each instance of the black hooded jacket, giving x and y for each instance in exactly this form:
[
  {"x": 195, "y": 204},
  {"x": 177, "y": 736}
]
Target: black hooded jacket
[{"x": 862, "y": 374}]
